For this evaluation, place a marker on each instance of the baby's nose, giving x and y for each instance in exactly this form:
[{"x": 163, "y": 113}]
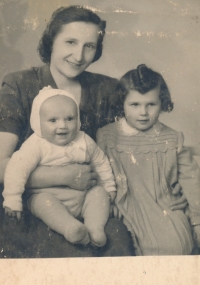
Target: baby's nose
[{"x": 62, "y": 124}]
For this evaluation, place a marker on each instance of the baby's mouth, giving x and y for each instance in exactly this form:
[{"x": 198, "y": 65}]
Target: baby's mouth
[{"x": 61, "y": 134}]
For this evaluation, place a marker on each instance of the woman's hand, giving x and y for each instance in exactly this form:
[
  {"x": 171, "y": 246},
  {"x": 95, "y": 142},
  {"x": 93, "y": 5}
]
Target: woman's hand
[
  {"x": 75, "y": 176},
  {"x": 12, "y": 213},
  {"x": 181, "y": 202},
  {"x": 80, "y": 176}
]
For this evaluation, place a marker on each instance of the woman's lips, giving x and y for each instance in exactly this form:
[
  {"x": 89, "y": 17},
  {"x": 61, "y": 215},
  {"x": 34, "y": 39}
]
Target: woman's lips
[{"x": 73, "y": 64}]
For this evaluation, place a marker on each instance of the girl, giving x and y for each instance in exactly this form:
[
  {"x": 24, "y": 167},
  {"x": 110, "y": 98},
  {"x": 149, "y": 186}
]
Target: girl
[{"x": 148, "y": 158}]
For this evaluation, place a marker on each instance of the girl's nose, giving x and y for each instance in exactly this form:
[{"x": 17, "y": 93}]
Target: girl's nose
[
  {"x": 143, "y": 110},
  {"x": 78, "y": 53}
]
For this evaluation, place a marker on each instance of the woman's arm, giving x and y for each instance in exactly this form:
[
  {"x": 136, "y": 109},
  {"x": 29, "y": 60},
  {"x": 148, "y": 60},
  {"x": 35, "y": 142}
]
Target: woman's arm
[
  {"x": 75, "y": 176},
  {"x": 8, "y": 142}
]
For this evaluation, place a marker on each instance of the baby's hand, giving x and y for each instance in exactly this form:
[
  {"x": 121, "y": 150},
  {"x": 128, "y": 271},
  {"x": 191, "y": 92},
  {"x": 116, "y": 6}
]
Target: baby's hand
[
  {"x": 197, "y": 234},
  {"x": 12, "y": 213}
]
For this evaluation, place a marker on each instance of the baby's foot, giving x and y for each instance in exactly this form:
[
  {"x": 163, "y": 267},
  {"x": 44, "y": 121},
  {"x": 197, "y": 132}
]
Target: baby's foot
[
  {"x": 97, "y": 237},
  {"x": 77, "y": 234}
]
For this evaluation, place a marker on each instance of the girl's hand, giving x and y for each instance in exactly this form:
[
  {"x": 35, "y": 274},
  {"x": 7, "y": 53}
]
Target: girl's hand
[
  {"x": 197, "y": 234},
  {"x": 12, "y": 213},
  {"x": 114, "y": 212},
  {"x": 112, "y": 196},
  {"x": 181, "y": 202}
]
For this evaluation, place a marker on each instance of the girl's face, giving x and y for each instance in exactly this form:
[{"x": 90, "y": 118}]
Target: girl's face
[
  {"x": 142, "y": 110},
  {"x": 74, "y": 49},
  {"x": 59, "y": 120}
]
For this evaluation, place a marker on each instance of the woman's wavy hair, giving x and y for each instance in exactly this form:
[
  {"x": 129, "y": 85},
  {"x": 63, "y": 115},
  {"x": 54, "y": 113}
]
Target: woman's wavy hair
[
  {"x": 143, "y": 79},
  {"x": 66, "y": 15}
]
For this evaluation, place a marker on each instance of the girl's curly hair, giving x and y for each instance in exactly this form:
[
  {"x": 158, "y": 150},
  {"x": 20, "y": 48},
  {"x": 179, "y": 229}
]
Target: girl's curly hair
[{"x": 143, "y": 79}]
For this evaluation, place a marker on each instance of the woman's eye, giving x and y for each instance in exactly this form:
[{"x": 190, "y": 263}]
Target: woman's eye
[
  {"x": 90, "y": 46},
  {"x": 152, "y": 104},
  {"x": 52, "y": 120},
  {"x": 135, "y": 104}
]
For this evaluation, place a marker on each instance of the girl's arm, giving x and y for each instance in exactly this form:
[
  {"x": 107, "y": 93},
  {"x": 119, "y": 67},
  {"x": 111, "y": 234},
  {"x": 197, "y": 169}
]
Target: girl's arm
[
  {"x": 189, "y": 178},
  {"x": 78, "y": 177}
]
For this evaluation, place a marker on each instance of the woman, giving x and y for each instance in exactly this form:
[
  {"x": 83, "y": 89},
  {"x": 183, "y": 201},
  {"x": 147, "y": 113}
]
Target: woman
[{"x": 71, "y": 42}]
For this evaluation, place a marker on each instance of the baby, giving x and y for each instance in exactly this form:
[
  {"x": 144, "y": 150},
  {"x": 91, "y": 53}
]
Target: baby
[{"x": 57, "y": 140}]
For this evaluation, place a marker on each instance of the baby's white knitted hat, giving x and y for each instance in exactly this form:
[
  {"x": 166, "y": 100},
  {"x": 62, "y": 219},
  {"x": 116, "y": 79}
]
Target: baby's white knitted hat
[{"x": 43, "y": 95}]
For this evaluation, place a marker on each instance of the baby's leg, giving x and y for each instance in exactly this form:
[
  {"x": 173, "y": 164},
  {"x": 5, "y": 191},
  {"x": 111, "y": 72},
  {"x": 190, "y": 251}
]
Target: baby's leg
[
  {"x": 54, "y": 214},
  {"x": 95, "y": 212}
]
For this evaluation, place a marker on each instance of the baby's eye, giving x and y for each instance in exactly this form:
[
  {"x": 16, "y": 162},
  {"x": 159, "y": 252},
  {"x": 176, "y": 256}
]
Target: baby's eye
[
  {"x": 52, "y": 120},
  {"x": 69, "y": 118}
]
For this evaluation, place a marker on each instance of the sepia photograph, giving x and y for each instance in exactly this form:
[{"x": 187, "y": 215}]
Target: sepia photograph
[{"x": 99, "y": 142}]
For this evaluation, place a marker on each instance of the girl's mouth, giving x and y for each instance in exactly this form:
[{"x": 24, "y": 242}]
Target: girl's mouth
[{"x": 143, "y": 121}]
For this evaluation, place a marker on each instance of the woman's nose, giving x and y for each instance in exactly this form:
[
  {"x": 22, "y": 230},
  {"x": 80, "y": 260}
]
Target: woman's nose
[{"x": 78, "y": 53}]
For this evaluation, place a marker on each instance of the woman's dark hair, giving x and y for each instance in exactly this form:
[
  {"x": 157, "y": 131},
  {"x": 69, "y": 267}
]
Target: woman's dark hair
[
  {"x": 143, "y": 79},
  {"x": 66, "y": 15}
]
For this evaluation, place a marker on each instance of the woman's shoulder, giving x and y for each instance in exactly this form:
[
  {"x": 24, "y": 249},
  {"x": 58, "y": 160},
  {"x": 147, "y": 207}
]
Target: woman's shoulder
[
  {"x": 98, "y": 81},
  {"x": 22, "y": 75}
]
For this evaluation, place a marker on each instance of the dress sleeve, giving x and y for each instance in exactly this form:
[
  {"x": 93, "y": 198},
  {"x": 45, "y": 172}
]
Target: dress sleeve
[
  {"x": 100, "y": 140},
  {"x": 12, "y": 115},
  {"x": 101, "y": 165},
  {"x": 189, "y": 179},
  {"x": 18, "y": 169}
]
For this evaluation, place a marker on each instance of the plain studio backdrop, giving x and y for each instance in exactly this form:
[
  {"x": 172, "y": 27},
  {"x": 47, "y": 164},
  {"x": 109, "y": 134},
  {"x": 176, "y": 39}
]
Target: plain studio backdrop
[{"x": 163, "y": 34}]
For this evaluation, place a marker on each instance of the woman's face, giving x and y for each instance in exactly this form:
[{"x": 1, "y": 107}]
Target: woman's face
[{"x": 74, "y": 49}]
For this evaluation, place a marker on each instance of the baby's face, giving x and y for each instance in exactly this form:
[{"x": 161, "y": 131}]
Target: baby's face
[
  {"x": 59, "y": 120},
  {"x": 142, "y": 110}
]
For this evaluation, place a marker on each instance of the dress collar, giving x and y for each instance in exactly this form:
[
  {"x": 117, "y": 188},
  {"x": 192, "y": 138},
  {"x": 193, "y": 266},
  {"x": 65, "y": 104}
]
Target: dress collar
[
  {"x": 126, "y": 129},
  {"x": 129, "y": 131}
]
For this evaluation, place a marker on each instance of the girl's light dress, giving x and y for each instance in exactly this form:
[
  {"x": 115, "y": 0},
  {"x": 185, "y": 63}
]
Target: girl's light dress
[{"x": 145, "y": 166}]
